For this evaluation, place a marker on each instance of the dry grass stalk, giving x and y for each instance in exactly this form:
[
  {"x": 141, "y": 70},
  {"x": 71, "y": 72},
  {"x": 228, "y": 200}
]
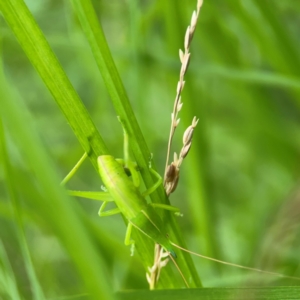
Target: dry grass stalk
[
  {"x": 172, "y": 172},
  {"x": 159, "y": 263},
  {"x": 171, "y": 181},
  {"x": 171, "y": 175}
]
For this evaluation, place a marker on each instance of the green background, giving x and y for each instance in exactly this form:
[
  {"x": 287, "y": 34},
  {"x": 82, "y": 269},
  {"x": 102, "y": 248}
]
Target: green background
[{"x": 238, "y": 187}]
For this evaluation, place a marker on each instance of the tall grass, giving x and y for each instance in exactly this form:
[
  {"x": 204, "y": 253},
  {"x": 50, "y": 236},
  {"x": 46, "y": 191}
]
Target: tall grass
[{"x": 238, "y": 187}]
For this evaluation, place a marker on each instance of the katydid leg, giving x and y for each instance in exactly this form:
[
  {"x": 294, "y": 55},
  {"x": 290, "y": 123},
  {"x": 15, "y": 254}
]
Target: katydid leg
[
  {"x": 153, "y": 188},
  {"x": 100, "y": 196},
  {"x": 128, "y": 163},
  {"x": 74, "y": 170},
  {"x": 107, "y": 213},
  {"x": 128, "y": 241},
  {"x": 155, "y": 185},
  {"x": 174, "y": 209},
  {"x": 133, "y": 170}
]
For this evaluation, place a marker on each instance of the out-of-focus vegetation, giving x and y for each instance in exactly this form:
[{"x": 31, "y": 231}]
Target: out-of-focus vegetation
[{"x": 238, "y": 187}]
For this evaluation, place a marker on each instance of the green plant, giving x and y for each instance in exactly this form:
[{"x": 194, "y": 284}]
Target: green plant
[{"x": 244, "y": 86}]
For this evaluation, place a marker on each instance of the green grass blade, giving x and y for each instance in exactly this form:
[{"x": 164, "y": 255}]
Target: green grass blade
[
  {"x": 8, "y": 284},
  {"x": 41, "y": 56},
  {"x": 38, "y": 51},
  {"x": 45, "y": 62},
  {"x": 270, "y": 293},
  {"x": 101, "y": 52},
  {"x": 36, "y": 288},
  {"x": 55, "y": 208},
  {"x": 114, "y": 85},
  {"x": 257, "y": 77}
]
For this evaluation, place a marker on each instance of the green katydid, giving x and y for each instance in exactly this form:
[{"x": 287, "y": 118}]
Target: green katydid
[
  {"x": 129, "y": 200},
  {"x": 132, "y": 204}
]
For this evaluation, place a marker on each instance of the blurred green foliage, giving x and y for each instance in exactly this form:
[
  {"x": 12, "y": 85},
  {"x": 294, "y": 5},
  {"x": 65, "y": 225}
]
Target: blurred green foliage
[{"x": 238, "y": 188}]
